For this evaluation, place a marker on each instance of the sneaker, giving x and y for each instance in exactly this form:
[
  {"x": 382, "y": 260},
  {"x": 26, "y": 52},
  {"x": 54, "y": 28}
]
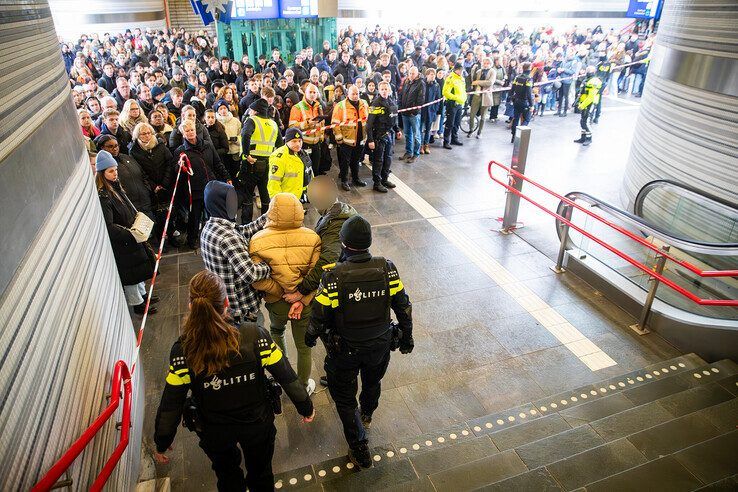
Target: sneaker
[
  {"x": 310, "y": 387},
  {"x": 345, "y": 186},
  {"x": 447, "y": 146},
  {"x": 410, "y": 159},
  {"x": 388, "y": 184},
  {"x": 378, "y": 187},
  {"x": 359, "y": 183},
  {"x": 324, "y": 381},
  {"x": 366, "y": 420},
  {"x": 360, "y": 456},
  {"x": 405, "y": 156}
]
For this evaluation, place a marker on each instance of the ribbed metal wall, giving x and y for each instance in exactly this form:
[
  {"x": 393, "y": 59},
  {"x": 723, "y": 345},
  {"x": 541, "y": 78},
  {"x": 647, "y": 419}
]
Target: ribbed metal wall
[
  {"x": 687, "y": 129},
  {"x": 75, "y": 17},
  {"x": 63, "y": 318}
]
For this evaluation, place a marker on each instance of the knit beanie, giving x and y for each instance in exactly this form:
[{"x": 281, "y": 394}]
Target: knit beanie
[
  {"x": 104, "y": 161},
  {"x": 261, "y": 106},
  {"x": 291, "y": 134},
  {"x": 356, "y": 233}
]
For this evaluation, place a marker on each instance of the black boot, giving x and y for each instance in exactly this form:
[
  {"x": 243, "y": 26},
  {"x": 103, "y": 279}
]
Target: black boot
[
  {"x": 378, "y": 187},
  {"x": 446, "y": 145},
  {"x": 345, "y": 186},
  {"x": 359, "y": 183},
  {"x": 581, "y": 139},
  {"x": 360, "y": 456},
  {"x": 388, "y": 184},
  {"x": 587, "y": 140}
]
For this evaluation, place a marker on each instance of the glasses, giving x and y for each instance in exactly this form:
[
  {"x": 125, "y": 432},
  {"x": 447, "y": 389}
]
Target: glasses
[{"x": 111, "y": 146}]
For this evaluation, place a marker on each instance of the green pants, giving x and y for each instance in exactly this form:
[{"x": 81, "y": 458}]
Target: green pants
[{"x": 278, "y": 323}]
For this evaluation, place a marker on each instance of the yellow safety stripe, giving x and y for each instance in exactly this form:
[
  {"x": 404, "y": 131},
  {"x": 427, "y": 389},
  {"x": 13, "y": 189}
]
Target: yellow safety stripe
[
  {"x": 328, "y": 266},
  {"x": 176, "y": 380},
  {"x": 396, "y": 286},
  {"x": 291, "y": 175},
  {"x": 274, "y": 356},
  {"x": 332, "y": 294},
  {"x": 275, "y": 178},
  {"x": 326, "y": 301}
]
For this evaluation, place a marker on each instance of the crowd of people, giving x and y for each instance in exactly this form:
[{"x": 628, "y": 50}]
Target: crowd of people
[{"x": 164, "y": 113}]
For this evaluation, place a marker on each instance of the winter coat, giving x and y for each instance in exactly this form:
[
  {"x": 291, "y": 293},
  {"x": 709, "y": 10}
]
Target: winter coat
[
  {"x": 432, "y": 92},
  {"x": 159, "y": 167},
  {"x": 454, "y": 88},
  {"x": 485, "y": 84},
  {"x": 206, "y": 166},
  {"x": 136, "y": 183},
  {"x": 328, "y": 228},
  {"x": 121, "y": 135},
  {"x": 348, "y": 70},
  {"x": 232, "y": 126},
  {"x": 131, "y": 258},
  {"x": 412, "y": 94},
  {"x": 176, "y": 139},
  {"x": 497, "y": 84},
  {"x": 219, "y": 138},
  {"x": 290, "y": 249}
]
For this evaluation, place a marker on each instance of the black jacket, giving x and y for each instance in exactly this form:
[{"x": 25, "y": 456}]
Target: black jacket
[
  {"x": 120, "y": 99},
  {"x": 206, "y": 166},
  {"x": 121, "y": 135},
  {"x": 219, "y": 138},
  {"x": 158, "y": 165},
  {"x": 136, "y": 183},
  {"x": 412, "y": 94},
  {"x": 235, "y": 396},
  {"x": 107, "y": 83},
  {"x": 133, "y": 262},
  {"x": 348, "y": 70},
  {"x": 522, "y": 90},
  {"x": 382, "y": 118},
  {"x": 175, "y": 138},
  {"x": 301, "y": 73},
  {"x": 245, "y": 102}
]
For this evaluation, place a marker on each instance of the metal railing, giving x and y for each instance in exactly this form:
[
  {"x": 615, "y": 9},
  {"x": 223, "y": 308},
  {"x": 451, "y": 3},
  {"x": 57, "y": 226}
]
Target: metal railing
[
  {"x": 121, "y": 376},
  {"x": 565, "y": 219}
]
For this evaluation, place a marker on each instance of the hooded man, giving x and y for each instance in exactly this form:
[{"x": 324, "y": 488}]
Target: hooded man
[
  {"x": 291, "y": 250},
  {"x": 225, "y": 251}
]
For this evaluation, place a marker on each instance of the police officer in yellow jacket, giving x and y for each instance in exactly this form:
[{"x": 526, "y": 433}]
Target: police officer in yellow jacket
[
  {"x": 290, "y": 168},
  {"x": 351, "y": 314},
  {"x": 259, "y": 137},
  {"x": 589, "y": 96},
  {"x": 603, "y": 72},
  {"x": 454, "y": 91}
]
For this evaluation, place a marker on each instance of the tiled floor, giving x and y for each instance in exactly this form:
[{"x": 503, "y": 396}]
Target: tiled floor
[{"x": 477, "y": 350}]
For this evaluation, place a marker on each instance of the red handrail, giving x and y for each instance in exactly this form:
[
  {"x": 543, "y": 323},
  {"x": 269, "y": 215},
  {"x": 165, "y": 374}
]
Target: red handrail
[
  {"x": 622, "y": 230},
  {"x": 635, "y": 263},
  {"x": 120, "y": 375}
]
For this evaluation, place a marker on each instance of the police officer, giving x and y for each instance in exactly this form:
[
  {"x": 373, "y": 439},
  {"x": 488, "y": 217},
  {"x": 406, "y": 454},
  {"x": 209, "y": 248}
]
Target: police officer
[
  {"x": 381, "y": 128},
  {"x": 259, "y": 136},
  {"x": 290, "y": 168},
  {"x": 589, "y": 96},
  {"x": 233, "y": 403},
  {"x": 604, "y": 72},
  {"x": 522, "y": 98},
  {"x": 351, "y": 314}
]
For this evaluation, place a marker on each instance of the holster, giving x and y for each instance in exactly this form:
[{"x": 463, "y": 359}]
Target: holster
[
  {"x": 396, "y": 336},
  {"x": 274, "y": 394},
  {"x": 332, "y": 342},
  {"x": 191, "y": 418}
]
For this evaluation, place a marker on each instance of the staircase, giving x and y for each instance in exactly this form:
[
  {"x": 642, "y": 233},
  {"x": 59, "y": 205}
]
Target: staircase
[{"x": 670, "y": 426}]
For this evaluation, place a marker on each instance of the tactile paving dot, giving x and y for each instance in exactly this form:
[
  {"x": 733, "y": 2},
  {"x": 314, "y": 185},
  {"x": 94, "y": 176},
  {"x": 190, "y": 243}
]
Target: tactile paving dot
[
  {"x": 488, "y": 425},
  {"x": 639, "y": 378},
  {"x": 321, "y": 473},
  {"x": 377, "y": 457},
  {"x": 543, "y": 409},
  {"x": 465, "y": 432},
  {"x": 554, "y": 405},
  {"x": 441, "y": 439},
  {"x": 293, "y": 481},
  {"x": 583, "y": 396},
  {"x": 648, "y": 376},
  {"x": 715, "y": 370},
  {"x": 500, "y": 422},
  {"x": 416, "y": 446},
  {"x": 574, "y": 398},
  {"x": 630, "y": 381},
  {"x": 681, "y": 364},
  {"x": 698, "y": 376},
  {"x": 612, "y": 387},
  {"x": 656, "y": 373},
  {"x": 673, "y": 368},
  {"x": 477, "y": 428},
  {"x": 278, "y": 485},
  {"x": 664, "y": 370},
  {"x": 308, "y": 477},
  {"x": 564, "y": 402},
  {"x": 403, "y": 450},
  {"x": 522, "y": 415},
  {"x": 349, "y": 465},
  {"x": 511, "y": 418},
  {"x": 533, "y": 412},
  {"x": 621, "y": 384},
  {"x": 391, "y": 454},
  {"x": 706, "y": 373},
  {"x": 593, "y": 393},
  {"x": 453, "y": 436},
  {"x": 337, "y": 469},
  {"x": 429, "y": 443},
  {"x": 603, "y": 390}
]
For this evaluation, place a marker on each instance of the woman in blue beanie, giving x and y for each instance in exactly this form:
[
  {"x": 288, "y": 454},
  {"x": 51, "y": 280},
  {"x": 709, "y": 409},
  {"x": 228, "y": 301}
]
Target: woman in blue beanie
[{"x": 135, "y": 261}]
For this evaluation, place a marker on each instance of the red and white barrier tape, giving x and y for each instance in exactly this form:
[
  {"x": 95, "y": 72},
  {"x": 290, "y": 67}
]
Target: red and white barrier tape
[{"x": 185, "y": 166}]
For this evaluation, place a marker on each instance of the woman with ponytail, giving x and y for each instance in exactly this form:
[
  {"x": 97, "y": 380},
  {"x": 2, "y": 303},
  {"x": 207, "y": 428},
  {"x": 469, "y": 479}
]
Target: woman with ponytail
[{"x": 230, "y": 404}]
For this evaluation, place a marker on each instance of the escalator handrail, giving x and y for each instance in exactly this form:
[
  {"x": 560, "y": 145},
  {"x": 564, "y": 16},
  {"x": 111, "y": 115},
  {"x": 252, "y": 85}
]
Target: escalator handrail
[
  {"x": 644, "y": 268},
  {"x": 685, "y": 244},
  {"x": 651, "y": 185},
  {"x": 692, "y": 268}
]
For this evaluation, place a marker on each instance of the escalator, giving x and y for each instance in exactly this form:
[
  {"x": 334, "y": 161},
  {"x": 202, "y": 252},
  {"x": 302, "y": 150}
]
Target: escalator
[{"x": 700, "y": 233}]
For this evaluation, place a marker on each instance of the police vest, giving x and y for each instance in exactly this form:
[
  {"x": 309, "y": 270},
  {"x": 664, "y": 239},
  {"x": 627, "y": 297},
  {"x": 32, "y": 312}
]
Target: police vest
[
  {"x": 364, "y": 299},
  {"x": 263, "y": 138}
]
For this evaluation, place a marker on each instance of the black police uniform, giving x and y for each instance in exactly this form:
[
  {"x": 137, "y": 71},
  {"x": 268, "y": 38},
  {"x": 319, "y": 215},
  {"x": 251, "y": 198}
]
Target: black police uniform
[
  {"x": 351, "y": 314},
  {"x": 233, "y": 408},
  {"x": 381, "y": 127},
  {"x": 522, "y": 98}
]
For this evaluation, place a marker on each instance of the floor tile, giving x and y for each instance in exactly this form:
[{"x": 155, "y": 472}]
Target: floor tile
[
  {"x": 437, "y": 460},
  {"x": 712, "y": 460},
  {"x": 528, "y": 432},
  {"x": 538, "y": 480},
  {"x": 473, "y": 475},
  {"x": 631, "y": 421},
  {"x": 559, "y": 446},
  {"x": 695, "y": 399},
  {"x": 375, "y": 478},
  {"x": 674, "y": 435},
  {"x": 662, "y": 475}
]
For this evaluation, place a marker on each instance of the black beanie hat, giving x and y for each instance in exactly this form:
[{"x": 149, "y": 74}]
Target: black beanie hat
[
  {"x": 291, "y": 134},
  {"x": 356, "y": 233},
  {"x": 261, "y": 106}
]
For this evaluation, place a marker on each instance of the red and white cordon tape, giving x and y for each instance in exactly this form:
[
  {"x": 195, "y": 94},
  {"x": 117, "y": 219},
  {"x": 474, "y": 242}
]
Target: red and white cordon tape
[
  {"x": 487, "y": 91},
  {"x": 183, "y": 166}
]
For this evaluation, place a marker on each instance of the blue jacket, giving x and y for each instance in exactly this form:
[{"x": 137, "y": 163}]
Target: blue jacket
[
  {"x": 432, "y": 92},
  {"x": 323, "y": 66}
]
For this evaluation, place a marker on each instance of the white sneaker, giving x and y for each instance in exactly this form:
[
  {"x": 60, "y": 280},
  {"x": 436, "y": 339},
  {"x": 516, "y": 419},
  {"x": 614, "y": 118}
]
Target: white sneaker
[{"x": 310, "y": 387}]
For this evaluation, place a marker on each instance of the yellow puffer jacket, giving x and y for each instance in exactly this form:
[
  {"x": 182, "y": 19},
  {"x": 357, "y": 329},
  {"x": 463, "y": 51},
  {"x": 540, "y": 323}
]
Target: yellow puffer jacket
[{"x": 289, "y": 249}]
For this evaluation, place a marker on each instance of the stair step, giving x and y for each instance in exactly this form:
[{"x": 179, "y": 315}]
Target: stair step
[
  {"x": 341, "y": 466},
  {"x": 662, "y": 475},
  {"x": 529, "y": 432},
  {"x": 673, "y": 435},
  {"x": 538, "y": 480},
  {"x": 595, "y": 464},
  {"x": 723, "y": 416},
  {"x": 712, "y": 460},
  {"x": 508, "y": 419},
  {"x": 729, "y": 484},
  {"x": 423, "y": 484},
  {"x": 730, "y": 384},
  {"x": 299, "y": 479},
  {"x": 392, "y": 474},
  {"x": 473, "y": 475},
  {"x": 443, "y": 458},
  {"x": 558, "y": 446},
  {"x": 695, "y": 399},
  {"x": 631, "y": 421}
]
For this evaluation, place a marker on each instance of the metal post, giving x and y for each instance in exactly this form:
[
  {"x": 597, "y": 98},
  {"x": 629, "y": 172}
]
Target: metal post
[
  {"x": 640, "y": 327},
  {"x": 519, "y": 158},
  {"x": 558, "y": 268}
]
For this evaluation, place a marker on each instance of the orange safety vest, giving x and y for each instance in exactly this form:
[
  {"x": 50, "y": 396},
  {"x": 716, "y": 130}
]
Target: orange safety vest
[
  {"x": 346, "y": 113},
  {"x": 301, "y": 115}
]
